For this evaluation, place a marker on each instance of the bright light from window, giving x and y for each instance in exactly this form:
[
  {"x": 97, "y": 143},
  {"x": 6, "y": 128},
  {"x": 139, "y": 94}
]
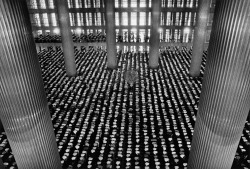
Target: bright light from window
[
  {"x": 186, "y": 30},
  {"x": 56, "y": 30},
  {"x": 78, "y": 31}
]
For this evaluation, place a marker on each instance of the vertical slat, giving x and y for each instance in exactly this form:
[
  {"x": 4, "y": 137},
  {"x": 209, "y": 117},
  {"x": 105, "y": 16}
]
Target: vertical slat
[
  {"x": 225, "y": 96},
  {"x": 199, "y": 37},
  {"x": 23, "y": 106},
  {"x": 67, "y": 40},
  {"x": 110, "y": 32},
  {"x": 154, "y": 42}
]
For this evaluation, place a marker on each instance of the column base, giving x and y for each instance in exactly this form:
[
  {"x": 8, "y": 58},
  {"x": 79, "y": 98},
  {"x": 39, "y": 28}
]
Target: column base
[
  {"x": 194, "y": 74},
  {"x": 154, "y": 67},
  {"x": 109, "y": 68}
]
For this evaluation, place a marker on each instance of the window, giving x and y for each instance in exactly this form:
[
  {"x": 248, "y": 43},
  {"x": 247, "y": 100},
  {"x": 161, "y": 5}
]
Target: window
[
  {"x": 87, "y": 4},
  {"x": 78, "y": 3},
  {"x": 142, "y": 20},
  {"x": 149, "y": 18},
  {"x": 194, "y": 19},
  {"x": 142, "y": 3},
  {"x": 150, "y": 4},
  {"x": 51, "y": 4},
  {"x": 53, "y": 19},
  {"x": 37, "y": 19},
  {"x": 133, "y": 18},
  {"x": 72, "y": 19},
  {"x": 133, "y": 3},
  {"x": 124, "y": 3},
  {"x": 39, "y": 32},
  {"x": 42, "y": 4},
  {"x": 45, "y": 19},
  {"x": 167, "y": 36},
  {"x": 117, "y": 3},
  {"x": 98, "y": 19},
  {"x": 88, "y": 19},
  {"x": 33, "y": 4},
  {"x": 180, "y": 3},
  {"x": 142, "y": 33},
  {"x": 168, "y": 21},
  {"x": 117, "y": 19},
  {"x": 170, "y": 3},
  {"x": 190, "y": 3},
  {"x": 162, "y": 19},
  {"x": 70, "y": 3},
  {"x": 124, "y": 18},
  {"x": 97, "y": 3},
  {"x": 163, "y": 3}
]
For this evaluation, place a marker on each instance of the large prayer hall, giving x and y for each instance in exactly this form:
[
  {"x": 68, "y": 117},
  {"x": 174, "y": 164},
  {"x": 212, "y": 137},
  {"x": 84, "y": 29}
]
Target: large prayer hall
[{"x": 124, "y": 84}]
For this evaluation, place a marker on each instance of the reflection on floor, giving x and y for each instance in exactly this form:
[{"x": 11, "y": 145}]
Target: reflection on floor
[{"x": 101, "y": 121}]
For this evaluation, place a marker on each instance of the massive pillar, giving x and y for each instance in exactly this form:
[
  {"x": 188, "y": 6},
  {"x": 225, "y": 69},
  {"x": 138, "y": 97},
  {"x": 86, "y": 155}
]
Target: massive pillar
[
  {"x": 225, "y": 96},
  {"x": 23, "y": 105},
  {"x": 199, "y": 37},
  {"x": 154, "y": 42},
  {"x": 67, "y": 40},
  {"x": 110, "y": 32}
]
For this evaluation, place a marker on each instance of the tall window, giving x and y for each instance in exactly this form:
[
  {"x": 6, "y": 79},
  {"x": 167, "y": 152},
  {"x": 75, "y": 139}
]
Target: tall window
[
  {"x": 124, "y": 18},
  {"x": 149, "y": 18},
  {"x": 194, "y": 19},
  {"x": 117, "y": 3},
  {"x": 168, "y": 21},
  {"x": 78, "y": 3},
  {"x": 167, "y": 36},
  {"x": 98, "y": 19},
  {"x": 133, "y": 3},
  {"x": 53, "y": 19},
  {"x": 37, "y": 19},
  {"x": 72, "y": 19},
  {"x": 133, "y": 18},
  {"x": 142, "y": 20},
  {"x": 143, "y": 3},
  {"x": 124, "y": 3},
  {"x": 51, "y": 4},
  {"x": 163, "y": 3},
  {"x": 33, "y": 4},
  {"x": 42, "y": 4},
  {"x": 97, "y": 3},
  {"x": 87, "y": 4},
  {"x": 70, "y": 3},
  {"x": 117, "y": 19},
  {"x": 162, "y": 19},
  {"x": 180, "y": 3},
  {"x": 89, "y": 19},
  {"x": 170, "y": 3},
  {"x": 45, "y": 19}
]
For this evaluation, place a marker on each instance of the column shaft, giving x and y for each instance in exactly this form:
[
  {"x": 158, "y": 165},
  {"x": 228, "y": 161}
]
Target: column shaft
[
  {"x": 225, "y": 96},
  {"x": 23, "y": 105},
  {"x": 67, "y": 40},
  {"x": 154, "y": 42},
  {"x": 199, "y": 37},
  {"x": 111, "y": 35}
]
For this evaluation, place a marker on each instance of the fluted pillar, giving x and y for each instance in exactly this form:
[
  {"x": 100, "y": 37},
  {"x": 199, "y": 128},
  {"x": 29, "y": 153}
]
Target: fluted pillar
[
  {"x": 23, "y": 105},
  {"x": 225, "y": 96},
  {"x": 199, "y": 37},
  {"x": 154, "y": 41},
  {"x": 67, "y": 40},
  {"x": 111, "y": 35}
]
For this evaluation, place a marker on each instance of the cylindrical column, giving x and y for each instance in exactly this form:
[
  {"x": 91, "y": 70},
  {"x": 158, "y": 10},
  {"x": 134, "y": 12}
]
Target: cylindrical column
[
  {"x": 67, "y": 40},
  {"x": 110, "y": 32},
  {"x": 154, "y": 42},
  {"x": 23, "y": 105},
  {"x": 225, "y": 96},
  {"x": 199, "y": 37}
]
